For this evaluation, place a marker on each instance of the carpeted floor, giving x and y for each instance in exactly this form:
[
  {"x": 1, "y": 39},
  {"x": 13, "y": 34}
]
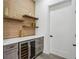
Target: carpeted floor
[{"x": 44, "y": 56}]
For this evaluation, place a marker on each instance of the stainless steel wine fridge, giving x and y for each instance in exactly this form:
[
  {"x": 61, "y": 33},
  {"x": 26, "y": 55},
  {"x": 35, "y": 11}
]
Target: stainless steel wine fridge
[
  {"x": 30, "y": 49},
  {"x": 27, "y": 49}
]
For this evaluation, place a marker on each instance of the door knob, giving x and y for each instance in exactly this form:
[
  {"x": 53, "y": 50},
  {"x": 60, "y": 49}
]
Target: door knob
[
  {"x": 51, "y": 35},
  {"x": 74, "y": 44}
]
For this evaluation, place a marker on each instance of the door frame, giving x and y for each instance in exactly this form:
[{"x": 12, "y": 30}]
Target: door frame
[{"x": 49, "y": 10}]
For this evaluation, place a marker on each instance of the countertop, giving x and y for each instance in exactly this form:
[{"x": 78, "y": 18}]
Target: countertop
[{"x": 16, "y": 40}]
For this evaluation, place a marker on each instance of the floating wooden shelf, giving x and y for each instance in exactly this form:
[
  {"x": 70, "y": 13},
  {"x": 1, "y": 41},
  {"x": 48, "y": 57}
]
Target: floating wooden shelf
[
  {"x": 29, "y": 26},
  {"x": 30, "y": 17},
  {"x": 11, "y": 18}
]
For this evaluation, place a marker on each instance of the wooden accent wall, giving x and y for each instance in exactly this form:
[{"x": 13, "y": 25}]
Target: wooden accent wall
[
  {"x": 16, "y": 9},
  {"x": 11, "y": 28},
  {"x": 27, "y": 25}
]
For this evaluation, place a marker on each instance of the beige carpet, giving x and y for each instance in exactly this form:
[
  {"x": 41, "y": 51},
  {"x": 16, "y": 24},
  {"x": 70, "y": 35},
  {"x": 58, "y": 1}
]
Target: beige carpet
[{"x": 44, "y": 56}]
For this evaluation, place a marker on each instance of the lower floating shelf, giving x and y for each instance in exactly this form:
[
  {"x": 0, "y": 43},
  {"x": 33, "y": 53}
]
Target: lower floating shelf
[{"x": 30, "y": 26}]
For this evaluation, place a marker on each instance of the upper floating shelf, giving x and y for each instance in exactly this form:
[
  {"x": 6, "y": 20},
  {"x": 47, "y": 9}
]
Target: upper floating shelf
[
  {"x": 11, "y": 18},
  {"x": 30, "y": 17}
]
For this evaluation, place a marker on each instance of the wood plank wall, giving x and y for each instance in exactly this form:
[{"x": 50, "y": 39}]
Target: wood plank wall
[{"x": 16, "y": 9}]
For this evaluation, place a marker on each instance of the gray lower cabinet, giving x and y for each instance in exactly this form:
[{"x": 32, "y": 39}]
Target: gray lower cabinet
[
  {"x": 11, "y": 55},
  {"x": 24, "y": 50},
  {"x": 39, "y": 44},
  {"x": 10, "y": 51}
]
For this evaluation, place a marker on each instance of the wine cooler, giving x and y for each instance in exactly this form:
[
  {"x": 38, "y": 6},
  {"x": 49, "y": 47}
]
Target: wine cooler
[
  {"x": 27, "y": 49},
  {"x": 32, "y": 49},
  {"x": 24, "y": 50}
]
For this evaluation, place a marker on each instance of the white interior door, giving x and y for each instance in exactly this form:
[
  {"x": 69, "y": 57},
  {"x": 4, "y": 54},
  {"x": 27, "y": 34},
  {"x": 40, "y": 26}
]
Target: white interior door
[{"x": 63, "y": 29}]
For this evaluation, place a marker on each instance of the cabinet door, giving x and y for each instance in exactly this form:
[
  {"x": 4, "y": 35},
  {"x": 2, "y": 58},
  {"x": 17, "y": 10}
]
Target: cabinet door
[
  {"x": 11, "y": 55},
  {"x": 10, "y": 51},
  {"x": 39, "y": 45},
  {"x": 39, "y": 41}
]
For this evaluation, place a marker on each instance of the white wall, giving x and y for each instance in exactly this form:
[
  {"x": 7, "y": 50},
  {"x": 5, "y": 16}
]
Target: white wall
[{"x": 42, "y": 12}]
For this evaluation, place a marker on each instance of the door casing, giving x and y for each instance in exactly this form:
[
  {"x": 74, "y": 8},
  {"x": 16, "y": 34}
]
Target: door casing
[{"x": 71, "y": 42}]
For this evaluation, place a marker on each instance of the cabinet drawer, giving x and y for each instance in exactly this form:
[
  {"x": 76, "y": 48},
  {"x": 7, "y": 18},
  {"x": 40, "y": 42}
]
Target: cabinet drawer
[
  {"x": 10, "y": 47},
  {"x": 39, "y": 39},
  {"x": 11, "y": 51},
  {"x": 39, "y": 42},
  {"x": 13, "y": 54}
]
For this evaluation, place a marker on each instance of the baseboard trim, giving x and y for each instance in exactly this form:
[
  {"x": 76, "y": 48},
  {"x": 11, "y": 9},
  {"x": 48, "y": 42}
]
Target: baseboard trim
[{"x": 58, "y": 56}]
